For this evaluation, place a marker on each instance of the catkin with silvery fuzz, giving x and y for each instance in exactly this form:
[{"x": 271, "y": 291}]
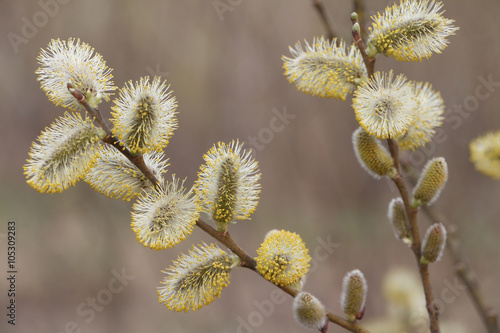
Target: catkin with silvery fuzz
[
  {"x": 144, "y": 115},
  {"x": 73, "y": 62},
  {"x": 372, "y": 156},
  {"x": 64, "y": 153},
  {"x": 325, "y": 68},
  {"x": 309, "y": 312},
  {"x": 354, "y": 289},
  {"x": 385, "y": 105},
  {"x": 433, "y": 244},
  {"x": 197, "y": 278},
  {"x": 283, "y": 258},
  {"x": 115, "y": 176},
  {"x": 399, "y": 221},
  {"x": 431, "y": 182},
  {"x": 410, "y": 31},
  {"x": 166, "y": 216},
  {"x": 228, "y": 184},
  {"x": 429, "y": 115},
  {"x": 484, "y": 153}
]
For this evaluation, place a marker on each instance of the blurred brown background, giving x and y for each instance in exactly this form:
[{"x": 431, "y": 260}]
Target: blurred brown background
[{"x": 226, "y": 71}]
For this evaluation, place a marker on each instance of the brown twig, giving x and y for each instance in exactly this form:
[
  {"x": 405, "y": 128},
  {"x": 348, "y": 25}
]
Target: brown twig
[
  {"x": 323, "y": 14},
  {"x": 462, "y": 268},
  {"x": 248, "y": 262},
  {"x": 110, "y": 139},
  {"x": 411, "y": 212}
]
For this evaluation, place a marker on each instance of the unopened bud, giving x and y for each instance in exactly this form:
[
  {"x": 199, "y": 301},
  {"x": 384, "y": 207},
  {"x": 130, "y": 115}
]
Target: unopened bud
[
  {"x": 353, "y": 295},
  {"x": 372, "y": 156},
  {"x": 399, "y": 222},
  {"x": 309, "y": 312},
  {"x": 354, "y": 16},
  {"x": 355, "y": 27},
  {"x": 431, "y": 182},
  {"x": 433, "y": 245}
]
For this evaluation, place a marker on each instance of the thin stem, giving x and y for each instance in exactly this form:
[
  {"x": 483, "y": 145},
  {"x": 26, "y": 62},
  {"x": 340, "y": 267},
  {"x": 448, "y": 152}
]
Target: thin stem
[
  {"x": 360, "y": 9},
  {"x": 323, "y": 14},
  {"x": 369, "y": 62},
  {"x": 411, "y": 212},
  {"x": 110, "y": 139},
  {"x": 80, "y": 97},
  {"x": 462, "y": 268},
  {"x": 416, "y": 245},
  {"x": 248, "y": 262}
]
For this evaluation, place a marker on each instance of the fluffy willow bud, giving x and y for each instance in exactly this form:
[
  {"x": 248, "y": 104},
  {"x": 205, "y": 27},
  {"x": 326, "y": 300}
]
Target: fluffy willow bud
[
  {"x": 431, "y": 182},
  {"x": 353, "y": 296},
  {"x": 411, "y": 31},
  {"x": 399, "y": 222},
  {"x": 164, "y": 217},
  {"x": 227, "y": 187},
  {"x": 325, "y": 69},
  {"x": 433, "y": 244},
  {"x": 64, "y": 153},
  {"x": 144, "y": 115},
  {"x": 283, "y": 258},
  {"x": 310, "y": 312},
  {"x": 484, "y": 152},
  {"x": 114, "y": 176},
  {"x": 75, "y": 62},
  {"x": 196, "y": 279},
  {"x": 372, "y": 156}
]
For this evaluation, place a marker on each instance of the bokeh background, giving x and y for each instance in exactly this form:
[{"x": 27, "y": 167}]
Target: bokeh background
[{"x": 225, "y": 69}]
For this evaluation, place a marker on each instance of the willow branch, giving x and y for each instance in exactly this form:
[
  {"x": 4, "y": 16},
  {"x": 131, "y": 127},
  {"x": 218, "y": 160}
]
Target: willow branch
[
  {"x": 248, "y": 262},
  {"x": 461, "y": 266},
  {"x": 323, "y": 14},
  {"x": 225, "y": 238},
  {"x": 416, "y": 245},
  {"x": 110, "y": 139}
]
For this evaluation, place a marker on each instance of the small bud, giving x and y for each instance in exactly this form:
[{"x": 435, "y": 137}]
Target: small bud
[
  {"x": 309, "y": 312},
  {"x": 433, "y": 245},
  {"x": 353, "y": 295},
  {"x": 371, "y": 51},
  {"x": 431, "y": 182},
  {"x": 399, "y": 222},
  {"x": 354, "y": 16},
  {"x": 355, "y": 27},
  {"x": 372, "y": 156}
]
